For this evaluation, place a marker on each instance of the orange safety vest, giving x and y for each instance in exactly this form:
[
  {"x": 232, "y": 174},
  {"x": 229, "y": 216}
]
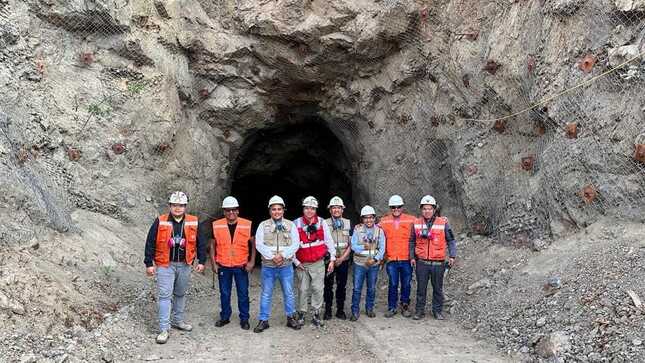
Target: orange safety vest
[
  {"x": 164, "y": 233},
  {"x": 434, "y": 246},
  {"x": 232, "y": 253},
  {"x": 397, "y": 247}
]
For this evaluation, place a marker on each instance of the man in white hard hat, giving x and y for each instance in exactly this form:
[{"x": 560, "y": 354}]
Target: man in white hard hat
[
  {"x": 368, "y": 244},
  {"x": 397, "y": 226},
  {"x": 341, "y": 234},
  {"x": 233, "y": 257},
  {"x": 315, "y": 242},
  {"x": 276, "y": 239},
  {"x": 431, "y": 242},
  {"x": 172, "y": 244}
]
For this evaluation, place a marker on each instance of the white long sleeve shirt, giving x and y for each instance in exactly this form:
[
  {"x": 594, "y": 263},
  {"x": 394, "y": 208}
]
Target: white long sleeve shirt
[{"x": 269, "y": 252}]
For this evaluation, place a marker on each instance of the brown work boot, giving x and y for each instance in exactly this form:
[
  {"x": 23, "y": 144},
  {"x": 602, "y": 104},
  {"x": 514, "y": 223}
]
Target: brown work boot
[{"x": 405, "y": 310}]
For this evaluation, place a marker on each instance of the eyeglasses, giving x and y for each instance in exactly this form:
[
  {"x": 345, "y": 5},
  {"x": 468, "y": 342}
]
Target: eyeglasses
[
  {"x": 231, "y": 210},
  {"x": 396, "y": 207}
]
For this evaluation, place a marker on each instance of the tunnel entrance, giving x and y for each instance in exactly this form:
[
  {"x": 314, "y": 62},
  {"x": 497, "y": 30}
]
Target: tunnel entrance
[{"x": 292, "y": 161}]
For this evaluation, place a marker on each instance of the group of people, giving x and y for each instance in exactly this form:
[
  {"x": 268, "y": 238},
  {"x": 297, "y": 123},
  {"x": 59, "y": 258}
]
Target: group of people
[{"x": 319, "y": 251}]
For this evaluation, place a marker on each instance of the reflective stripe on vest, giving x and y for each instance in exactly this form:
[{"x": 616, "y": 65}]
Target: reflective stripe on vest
[
  {"x": 165, "y": 231},
  {"x": 397, "y": 247},
  {"x": 310, "y": 251},
  {"x": 361, "y": 231},
  {"x": 232, "y": 253},
  {"x": 434, "y": 246},
  {"x": 341, "y": 237}
]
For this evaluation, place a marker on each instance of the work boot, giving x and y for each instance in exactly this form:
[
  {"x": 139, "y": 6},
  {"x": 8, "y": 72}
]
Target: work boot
[
  {"x": 340, "y": 314},
  {"x": 293, "y": 323},
  {"x": 262, "y": 326},
  {"x": 390, "y": 313},
  {"x": 438, "y": 316},
  {"x": 370, "y": 314},
  {"x": 405, "y": 310},
  {"x": 419, "y": 316},
  {"x": 182, "y": 326},
  {"x": 220, "y": 323},
  {"x": 244, "y": 324},
  {"x": 162, "y": 338},
  {"x": 300, "y": 318},
  {"x": 354, "y": 317},
  {"x": 327, "y": 315},
  {"x": 315, "y": 321}
]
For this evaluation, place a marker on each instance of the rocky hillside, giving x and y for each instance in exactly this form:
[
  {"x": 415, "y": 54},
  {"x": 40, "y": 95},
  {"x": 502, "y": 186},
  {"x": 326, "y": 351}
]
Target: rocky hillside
[{"x": 523, "y": 118}]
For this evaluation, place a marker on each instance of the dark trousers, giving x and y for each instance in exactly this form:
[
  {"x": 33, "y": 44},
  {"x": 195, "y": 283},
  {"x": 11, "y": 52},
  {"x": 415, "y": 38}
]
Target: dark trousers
[
  {"x": 398, "y": 270},
  {"x": 340, "y": 276},
  {"x": 433, "y": 272},
  {"x": 225, "y": 277}
]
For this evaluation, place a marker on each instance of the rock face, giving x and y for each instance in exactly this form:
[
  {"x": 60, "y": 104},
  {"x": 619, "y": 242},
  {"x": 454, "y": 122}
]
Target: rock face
[{"x": 410, "y": 90}]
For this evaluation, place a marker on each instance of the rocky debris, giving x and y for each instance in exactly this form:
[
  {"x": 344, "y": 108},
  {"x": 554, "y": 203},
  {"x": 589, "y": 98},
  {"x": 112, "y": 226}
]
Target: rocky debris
[
  {"x": 553, "y": 345},
  {"x": 553, "y": 308},
  {"x": 630, "y": 5}
]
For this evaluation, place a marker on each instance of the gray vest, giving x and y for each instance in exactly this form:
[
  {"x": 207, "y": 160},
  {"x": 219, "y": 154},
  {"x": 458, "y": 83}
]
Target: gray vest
[
  {"x": 341, "y": 236},
  {"x": 277, "y": 240},
  {"x": 370, "y": 245}
]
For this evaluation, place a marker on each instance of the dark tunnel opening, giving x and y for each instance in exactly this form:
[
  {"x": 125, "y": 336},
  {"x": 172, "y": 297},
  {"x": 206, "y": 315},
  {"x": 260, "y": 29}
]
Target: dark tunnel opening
[{"x": 292, "y": 161}]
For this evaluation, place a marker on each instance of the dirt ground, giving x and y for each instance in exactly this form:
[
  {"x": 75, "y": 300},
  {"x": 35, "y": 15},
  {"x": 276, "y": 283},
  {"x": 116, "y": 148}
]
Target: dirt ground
[
  {"x": 368, "y": 339},
  {"x": 78, "y": 297}
]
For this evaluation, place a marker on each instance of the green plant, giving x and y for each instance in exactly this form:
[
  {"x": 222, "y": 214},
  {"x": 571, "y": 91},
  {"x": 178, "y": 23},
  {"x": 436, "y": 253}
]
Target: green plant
[
  {"x": 99, "y": 109},
  {"x": 107, "y": 270},
  {"x": 136, "y": 87}
]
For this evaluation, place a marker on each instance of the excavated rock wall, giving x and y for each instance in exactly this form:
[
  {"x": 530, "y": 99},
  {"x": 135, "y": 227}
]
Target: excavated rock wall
[{"x": 107, "y": 107}]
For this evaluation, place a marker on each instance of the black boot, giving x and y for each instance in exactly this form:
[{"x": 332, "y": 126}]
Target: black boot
[
  {"x": 220, "y": 323},
  {"x": 244, "y": 324},
  {"x": 327, "y": 315},
  {"x": 293, "y": 323},
  {"x": 262, "y": 326},
  {"x": 315, "y": 321},
  {"x": 340, "y": 314}
]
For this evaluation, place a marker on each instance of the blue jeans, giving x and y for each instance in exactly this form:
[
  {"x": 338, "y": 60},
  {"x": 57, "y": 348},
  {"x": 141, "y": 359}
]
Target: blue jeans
[
  {"x": 225, "y": 277},
  {"x": 360, "y": 274},
  {"x": 398, "y": 270},
  {"x": 269, "y": 275},
  {"x": 172, "y": 283}
]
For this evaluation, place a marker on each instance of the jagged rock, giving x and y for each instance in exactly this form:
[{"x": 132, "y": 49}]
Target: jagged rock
[
  {"x": 630, "y": 5},
  {"x": 622, "y": 54}
]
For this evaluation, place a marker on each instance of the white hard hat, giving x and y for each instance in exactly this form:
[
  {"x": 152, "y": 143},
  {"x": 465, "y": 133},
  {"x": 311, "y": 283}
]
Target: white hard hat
[
  {"x": 395, "y": 201},
  {"x": 276, "y": 200},
  {"x": 230, "y": 202},
  {"x": 310, "y": 202},
  {"x": 367, "y": 210},
  {"x": 336, "y": 201},
  {"x": 428, "y": 199},
  {"x": 178, "y": 198}
]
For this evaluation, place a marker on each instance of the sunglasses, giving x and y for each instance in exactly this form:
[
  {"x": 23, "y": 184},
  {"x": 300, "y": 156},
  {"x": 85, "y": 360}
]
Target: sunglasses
[
  {"x": 231, "y": 210},
  {"x": 397, "y": 207}
]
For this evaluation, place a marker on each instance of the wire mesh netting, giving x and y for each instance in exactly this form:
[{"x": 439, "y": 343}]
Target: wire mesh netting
[{"x": 544, "y": 108}]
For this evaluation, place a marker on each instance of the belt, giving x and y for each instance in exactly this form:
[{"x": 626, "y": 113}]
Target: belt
[{"x": 431, "y": 262}]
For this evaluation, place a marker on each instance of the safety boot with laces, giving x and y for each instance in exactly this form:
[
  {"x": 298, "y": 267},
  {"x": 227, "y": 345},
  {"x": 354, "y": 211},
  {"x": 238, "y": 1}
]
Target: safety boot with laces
[
  {"x": 162, "y": 338},
  {"x": 315, "y": 321}
]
